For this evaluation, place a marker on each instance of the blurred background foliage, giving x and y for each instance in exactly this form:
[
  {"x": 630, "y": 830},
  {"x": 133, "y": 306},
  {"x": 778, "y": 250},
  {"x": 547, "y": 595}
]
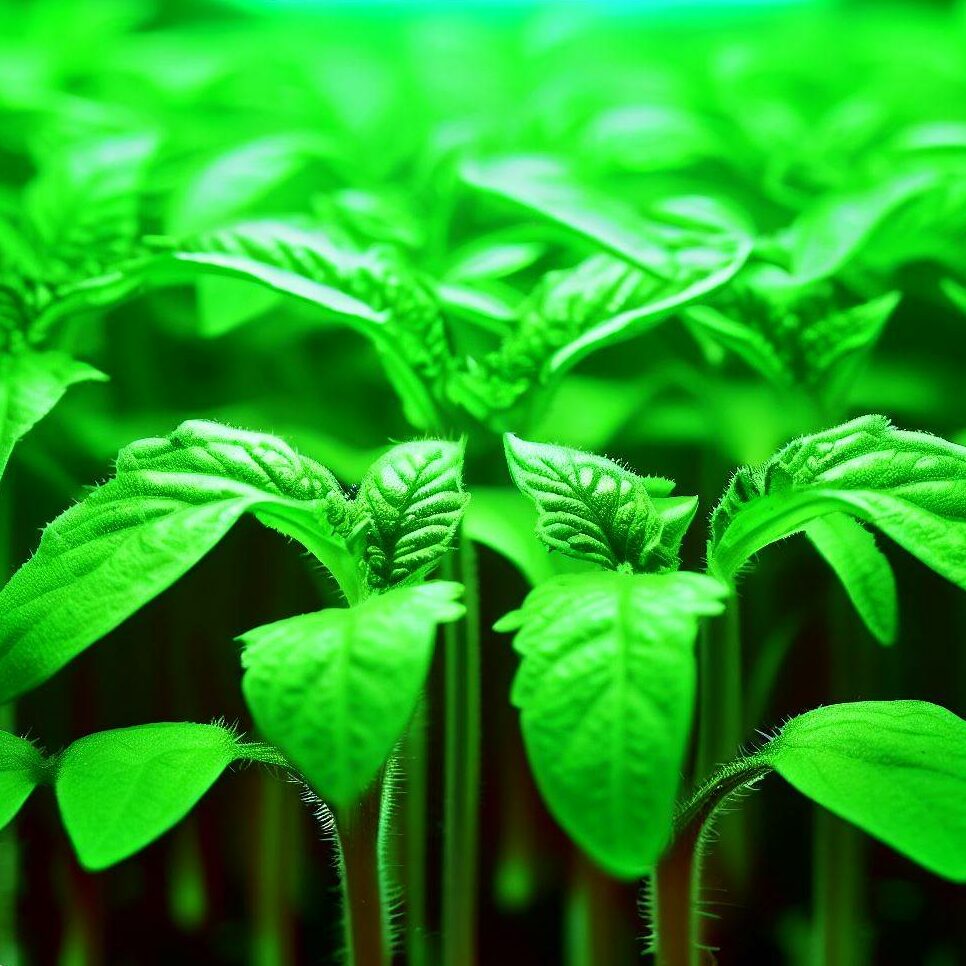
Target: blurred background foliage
[{"x": 824, "y": 142}]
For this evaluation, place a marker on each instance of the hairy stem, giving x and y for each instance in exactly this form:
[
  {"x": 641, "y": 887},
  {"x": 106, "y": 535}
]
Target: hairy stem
[
  {"x": 9, "y": 851},
  {"x": 366, "y": 925},
  {"x": 676, "y": 883},
  {"x": 414, "y": 763},
  {"x": 461, "y": 769}
]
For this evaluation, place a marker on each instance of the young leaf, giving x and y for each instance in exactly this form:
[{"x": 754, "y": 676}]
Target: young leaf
[
  {"x": 21, "y": 770},
  {"x": 120, "y": 790},
  {"x": 335, "y": 690},
  {"x": 592, "y": 508},
  {"x": 793, "y": 334},
  {"x": 850, "y": 550},
  {"x": 897, "y": 769},
  {"x": 31, "y": 384},
  {"x": 606, "y": 693},
  {"x": 170, "y": 501},
  {"x": 413, "y": 500},
  {"x": 912, "y": 486}
]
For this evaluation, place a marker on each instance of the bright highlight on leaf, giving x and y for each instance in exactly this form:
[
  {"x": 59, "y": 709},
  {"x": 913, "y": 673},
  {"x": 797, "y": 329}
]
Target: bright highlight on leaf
[
  {"x": 606, "y": 696},
  {"x": 897, "y": 769},
  {"x": 593, "y": 509},
  {"x": 335, "y": 690},
  {"x": 119, "y": 790}
]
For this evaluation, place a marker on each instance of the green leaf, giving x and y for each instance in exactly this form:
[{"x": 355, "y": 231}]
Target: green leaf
[
  {"x": 912, "y": 486},
  {"x": 897, "y": 769},
  {"x": 850, "y": 550},
  {"x": 606, "y": 695},
  {"x": 793, "y": 334},
  {"x": 489, "y": 258},
  {"x": 594, "y": 509},
  {"x": 120, "y": 790},
  {"x": 171, "y": 500},
  {"x": 335, "y": 690},
  {"x": 684, "y": 249},
  {"x": 413, "y": 500},
  {"x": 21, "y": 770},
  {"x": 505, "y": 521},
  {"x": 31, "y": 384}
]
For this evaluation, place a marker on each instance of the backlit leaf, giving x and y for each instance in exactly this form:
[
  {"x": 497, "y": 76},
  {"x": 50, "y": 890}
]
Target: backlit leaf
[
  {"x": 606, "y": 694},
  {"x": 21, "y": 770},
  {"x": 334, "y": 690}
]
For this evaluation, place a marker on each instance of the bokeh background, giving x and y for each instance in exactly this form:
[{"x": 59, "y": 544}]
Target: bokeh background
[{"x": 356, "y": 119}]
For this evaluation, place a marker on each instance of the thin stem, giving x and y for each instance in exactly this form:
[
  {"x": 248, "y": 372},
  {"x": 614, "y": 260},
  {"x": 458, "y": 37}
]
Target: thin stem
[
  {"x": 595, "y": 932},
  {"x": 273, "y": 926},
  {"x": 461, "y": 769},
  {"x": 838, "y": 846},
  {"x": 676, "y": 883},
  {"x": 414, "y": 762},
  {"x": 720, "y": 725},
  {"x": 366, "y": 933}
]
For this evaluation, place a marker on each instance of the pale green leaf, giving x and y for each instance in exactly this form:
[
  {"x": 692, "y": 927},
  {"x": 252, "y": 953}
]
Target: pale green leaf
[
  {"x": 171, "y": 500},
  {"x": 594, "y": 509},
  {"x": 606, "y": 694},
  {"x": 334, "y": 690},
  {"x": 911, "y": 486},
  {"x": 31, "y": 385},
  {"x": 897, "y": 769},
  {"x": 120, "y": 790},
  {"x": 21, "y": 770},
  {"x": 850, "y": 550},
  {"x": 413, "y": 500}
]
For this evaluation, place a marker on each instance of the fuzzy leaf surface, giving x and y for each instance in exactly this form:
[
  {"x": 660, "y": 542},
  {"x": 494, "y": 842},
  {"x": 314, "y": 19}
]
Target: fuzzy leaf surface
[
  {"x": 120, "y": 790},
  {"x": 606, "y": 694},
  {"x": 594, "y": 509},
  {"x": 911, "y": 486},
  {"x": 897, "y": 769},
  {"x": 334, "y": 690},
  {"x": 170, "y": 502},
  {"x": 413, "y": 499}
]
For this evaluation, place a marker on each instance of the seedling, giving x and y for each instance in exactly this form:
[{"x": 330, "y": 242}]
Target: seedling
[
  {"x": 334, "y": 691},
  {"x": 607, "y": 679}
]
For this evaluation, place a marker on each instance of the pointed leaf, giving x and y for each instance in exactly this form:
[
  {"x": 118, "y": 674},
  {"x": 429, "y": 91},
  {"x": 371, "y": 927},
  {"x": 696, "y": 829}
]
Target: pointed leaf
[
  {"x": 335, "y": 690},
  {"x": 897, "y": 769},
  {"x": 413, "y": 499},
  {"x": 850, "y": 550},
  {"x": 21, "y": 770},
  {"x": 31, "y": 385},
  {"x": 120, "y": 790},
  {"x": 594, "y": 509},
  {"x": 606, "y": 694},
  {"x": 170, "y": 501}
]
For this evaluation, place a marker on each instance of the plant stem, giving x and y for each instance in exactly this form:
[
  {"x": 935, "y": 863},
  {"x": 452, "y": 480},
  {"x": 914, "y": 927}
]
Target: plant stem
[
  {"x": 365, "y": 922},
  {"x": 461, "y": 768},
  {"x": 676, "y": 883},
  {"x": 720, "y": 724},
  {"x": 272, "y": 926},
  {"x": 839, "y": 939},
  {"x": 415, "y": 803},
  {"x": 595, "y": 932}
]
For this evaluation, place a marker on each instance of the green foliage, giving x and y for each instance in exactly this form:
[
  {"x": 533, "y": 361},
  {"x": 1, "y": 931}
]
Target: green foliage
[
  {"x": 606, "y": 695},
  {"x": 120, "y": 790},
  {"x": 897, "y": 769},
  {"x": 21, "y": 770},
  {"x": 31, "y": 384},
  {"x": 335, "y": 690},
  {"x": 413, "y": 500},
  {"x": 173, "y": 498},
  {"x": 911, "y": 486},
  {"x": 593, "y": 509}
]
